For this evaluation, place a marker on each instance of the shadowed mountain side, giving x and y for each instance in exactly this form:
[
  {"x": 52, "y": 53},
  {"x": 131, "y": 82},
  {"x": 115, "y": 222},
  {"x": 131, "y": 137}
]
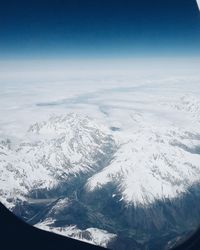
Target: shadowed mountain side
[
  {"x": 15, "y": 234},
  {"x": 191, "y": 243}
]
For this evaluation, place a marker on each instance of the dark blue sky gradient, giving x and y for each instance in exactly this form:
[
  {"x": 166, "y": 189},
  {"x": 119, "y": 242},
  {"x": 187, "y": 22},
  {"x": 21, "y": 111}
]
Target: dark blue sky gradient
[{"x": 98, "y": 28}]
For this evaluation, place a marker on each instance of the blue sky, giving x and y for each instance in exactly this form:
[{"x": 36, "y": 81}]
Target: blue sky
[{"x": 100, "y": 28}]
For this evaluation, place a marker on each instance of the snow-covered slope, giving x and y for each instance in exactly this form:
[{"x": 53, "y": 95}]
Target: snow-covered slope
[
  {"x": 57, "y": 218},
  {"x": 152, "y": 166},
  {"x": 91, "y": 235},
  {"x": 52, "y": 152},
  {"x": 158, "y": 158}
]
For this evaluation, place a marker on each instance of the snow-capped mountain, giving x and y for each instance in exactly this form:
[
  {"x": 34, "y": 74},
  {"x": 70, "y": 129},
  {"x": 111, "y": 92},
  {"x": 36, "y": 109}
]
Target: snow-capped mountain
[
  {"x": 91, "y": 235},
  {"x": 110, "y": 186},
  {"x": 158, "y": 156},
  {"x": 153, "y": 164},
  {"x": 53, "y": 152}
]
